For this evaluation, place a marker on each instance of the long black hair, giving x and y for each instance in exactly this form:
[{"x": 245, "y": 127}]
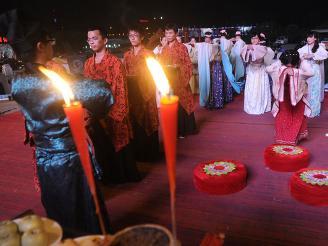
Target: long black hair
[
  {"x": 258, "y": 34},
  {"x": 136, "y": 28},
  {"x": 316, "y": 42},
  {"x": 171, "y": 26},
  {"x": 290, "y": 57}
]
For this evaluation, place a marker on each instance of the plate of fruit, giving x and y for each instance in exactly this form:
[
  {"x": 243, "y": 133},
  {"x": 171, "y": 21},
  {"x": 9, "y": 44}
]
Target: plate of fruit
[{"x": 30, "y": 230}]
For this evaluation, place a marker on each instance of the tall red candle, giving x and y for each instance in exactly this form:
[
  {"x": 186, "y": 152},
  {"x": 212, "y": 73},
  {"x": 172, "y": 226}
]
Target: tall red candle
[
  {"x": 169, "y": 122},
  {"x": 75, "y": 116}
]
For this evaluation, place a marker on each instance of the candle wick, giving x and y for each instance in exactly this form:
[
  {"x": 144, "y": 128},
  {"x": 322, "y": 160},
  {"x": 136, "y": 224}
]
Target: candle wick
[{"x": 170, "y": 94}]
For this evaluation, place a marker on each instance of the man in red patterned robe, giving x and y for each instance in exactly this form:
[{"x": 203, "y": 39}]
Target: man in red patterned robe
[
  {"x": 178, "y": 67},
  {"x": 142, "y": 98},
  {"x": 120, "y": 166}
]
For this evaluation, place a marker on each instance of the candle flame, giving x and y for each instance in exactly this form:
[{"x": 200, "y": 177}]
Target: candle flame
[
  {"x": 159, "y": 76},
  {"x": 60, "y": 84}
]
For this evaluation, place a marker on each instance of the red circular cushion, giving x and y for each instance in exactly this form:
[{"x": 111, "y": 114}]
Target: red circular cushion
[
  {"x": 310, "y": 186},
  {"x": 222, "y": 177},
  {"x": 286, "y": 158}
]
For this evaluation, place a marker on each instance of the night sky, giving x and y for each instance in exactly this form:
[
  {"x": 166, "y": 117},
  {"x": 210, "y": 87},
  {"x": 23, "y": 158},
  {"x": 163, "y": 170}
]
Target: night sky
[{"x": 77, "y": 14}]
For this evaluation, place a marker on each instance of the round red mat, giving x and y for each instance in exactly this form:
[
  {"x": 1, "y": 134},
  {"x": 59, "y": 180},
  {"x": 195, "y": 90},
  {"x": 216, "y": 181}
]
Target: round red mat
[
  {"x": 310, "y": 186},
  {"x": 220, "y": 177},
  {"x": 286, "y": 158}
]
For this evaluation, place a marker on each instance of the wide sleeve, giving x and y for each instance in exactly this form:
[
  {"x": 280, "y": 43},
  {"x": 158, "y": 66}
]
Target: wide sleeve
[
  {"x": 94, "y": 95},
  {"x": 306, "y": 70},
  {"x": 301, "y": 53},
  {"x": 125, "y": 62},
  {"x": 194, "y": 55},
  {"x": 245, "y": 54},
  {"x": 273, "y": 70},
  {"x": 87, "y": 68},
  {"x": 321, "y": 54},
  {"x": 274, "y": 67},
  {"x": 117, "y": 80},
  {"x": 185, "y": 66},
  {"x": 214, "y": 51},
  {"x": 268, "y": 58},
  {"x": 145, "y": 80}
]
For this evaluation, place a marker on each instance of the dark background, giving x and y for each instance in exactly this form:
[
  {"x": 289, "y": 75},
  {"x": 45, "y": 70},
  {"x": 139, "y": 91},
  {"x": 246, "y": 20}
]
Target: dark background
[
  {"x": 69, "y": 19},
  {"x": 78, "y": 14}
]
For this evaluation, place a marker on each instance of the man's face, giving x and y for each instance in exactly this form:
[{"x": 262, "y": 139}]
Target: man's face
[
  {"x": 170, "y": 35},
  {"x": 135, "y": 38},
  {"x": 311, "y": 40},
  {"x": 193, "y": 41},
  {"x": 49, "y": 50},
  {"x": 179, "y": 39},
  {"x": 96, "y": 41},
  {"x": 46, "y": 49}
]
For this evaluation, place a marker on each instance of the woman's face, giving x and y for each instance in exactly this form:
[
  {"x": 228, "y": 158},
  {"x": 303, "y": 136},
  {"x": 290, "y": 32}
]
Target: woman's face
[
  {"x": 310, "y": 40},
  {"x": 208, "y": 40},
  {"x": 255, "y": 40}
]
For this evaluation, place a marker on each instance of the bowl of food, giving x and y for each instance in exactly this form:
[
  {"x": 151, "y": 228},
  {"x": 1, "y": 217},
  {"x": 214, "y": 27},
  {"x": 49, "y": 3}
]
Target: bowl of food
[{"x": 30, "y": 230}]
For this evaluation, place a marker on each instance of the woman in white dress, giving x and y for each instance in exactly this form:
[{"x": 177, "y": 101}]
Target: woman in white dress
[
  {"x": 315, "y": 54},
  {"x": 257, "y": 96}
]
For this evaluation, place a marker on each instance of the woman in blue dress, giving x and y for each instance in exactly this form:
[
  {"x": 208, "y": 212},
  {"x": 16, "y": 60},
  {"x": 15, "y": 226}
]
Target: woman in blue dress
[{"x": 315, "y": 55}]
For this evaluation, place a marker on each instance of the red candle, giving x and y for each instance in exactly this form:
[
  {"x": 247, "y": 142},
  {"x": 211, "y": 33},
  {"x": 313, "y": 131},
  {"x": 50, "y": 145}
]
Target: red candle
[
  {"x": 169, "y": 122},
  {"x": 75, "y": 115}
]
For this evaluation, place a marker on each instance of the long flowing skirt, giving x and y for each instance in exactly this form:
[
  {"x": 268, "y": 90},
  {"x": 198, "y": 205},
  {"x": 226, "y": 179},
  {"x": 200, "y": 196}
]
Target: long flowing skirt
[
  {"x": 257, "y": 96},
  {"x": 117, "y": 167},
  {"x": 146, "y": 146},
  {"x": 221, "y": 91},
  {"x": 291, "y": 124},
  {"x": 314, "y": 91}
]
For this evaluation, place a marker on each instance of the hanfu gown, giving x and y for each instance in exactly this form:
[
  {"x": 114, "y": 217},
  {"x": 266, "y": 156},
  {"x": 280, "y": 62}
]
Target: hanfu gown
[
  {"x": 257, "y": 94},
  {"x": 290, "y": 108},
  {"x": 65, "y": 193},
  {"x": 315, "y": 83}
]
